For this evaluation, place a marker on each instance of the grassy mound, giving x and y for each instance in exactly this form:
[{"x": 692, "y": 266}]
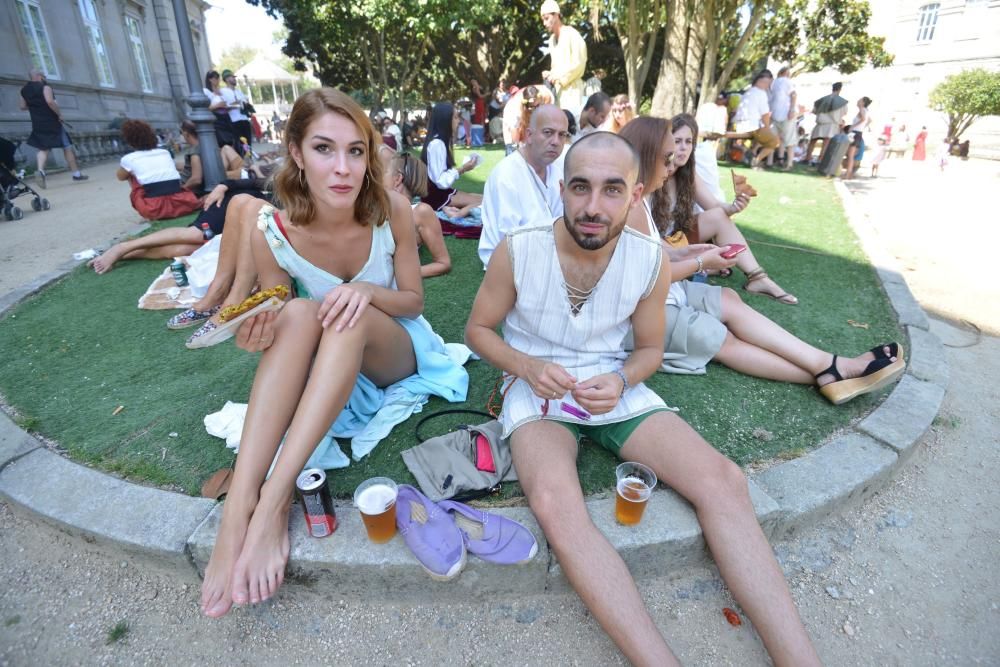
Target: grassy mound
[{"x": 81, "y": 348}]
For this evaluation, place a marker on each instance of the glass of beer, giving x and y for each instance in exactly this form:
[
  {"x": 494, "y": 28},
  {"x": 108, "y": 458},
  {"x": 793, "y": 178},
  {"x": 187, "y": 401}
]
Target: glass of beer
[
  {"x": 376, "y": 498},
  {"x": 635, "y": 483}
]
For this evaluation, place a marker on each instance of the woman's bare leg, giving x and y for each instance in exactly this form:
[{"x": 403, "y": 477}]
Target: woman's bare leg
[
  {"x": 235, "y": 257},
  {"x": 465, "y": 199},
  {"x": 169, "y": 242},
  {"x": 379, "y": 347},
  {"x": 278, "y": 385},
  {"x": 715, "y": 224},
  {"x": 757, "y": 346},
  {"x": 851, "y": 152}
]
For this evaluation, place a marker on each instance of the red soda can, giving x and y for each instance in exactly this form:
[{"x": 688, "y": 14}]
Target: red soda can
[{"x": 316, "y": 502}]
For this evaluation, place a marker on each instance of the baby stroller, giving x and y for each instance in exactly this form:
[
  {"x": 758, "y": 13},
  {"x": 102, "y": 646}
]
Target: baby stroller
[{"x": 11, "y": 185}]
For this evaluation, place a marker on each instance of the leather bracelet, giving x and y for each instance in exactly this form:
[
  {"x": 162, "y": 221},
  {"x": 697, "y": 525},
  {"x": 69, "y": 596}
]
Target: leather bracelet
[
  {"x": 620, "y": 373},
  {"x": 701, "y": 264}
]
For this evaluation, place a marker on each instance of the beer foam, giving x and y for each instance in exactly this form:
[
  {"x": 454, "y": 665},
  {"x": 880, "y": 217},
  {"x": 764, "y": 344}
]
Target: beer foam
[
  {"x": 636, "y": 485},
  {"x": 376, "y": 499}
]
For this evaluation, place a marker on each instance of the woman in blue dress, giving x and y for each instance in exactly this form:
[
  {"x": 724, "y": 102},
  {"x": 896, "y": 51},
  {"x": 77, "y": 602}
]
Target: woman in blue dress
[{"x": 351, "y": 344}]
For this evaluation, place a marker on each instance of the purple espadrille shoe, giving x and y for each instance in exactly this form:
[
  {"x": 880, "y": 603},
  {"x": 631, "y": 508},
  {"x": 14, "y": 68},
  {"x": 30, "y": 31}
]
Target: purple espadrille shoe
[
  {"x": 492, "y": 537},
  {"x": 430, "y": 534}
]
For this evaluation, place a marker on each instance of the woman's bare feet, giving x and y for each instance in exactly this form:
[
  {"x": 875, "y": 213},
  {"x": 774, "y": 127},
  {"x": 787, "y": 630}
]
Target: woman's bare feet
[
  {"x": 260, "y": 569},
  {"x": 852, "y": 367},
  {"x": 216, "y": 592},
  {"x": 758, "y": 282},
  {"x": 106, "y": 261}
]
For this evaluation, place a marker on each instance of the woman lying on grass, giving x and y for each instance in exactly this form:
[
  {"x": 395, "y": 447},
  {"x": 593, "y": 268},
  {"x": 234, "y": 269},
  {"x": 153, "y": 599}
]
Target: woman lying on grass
[
  {"x": 706, "y": 322},
  {"x": 685, "y": 205},
  {"x": 350, "y": 249}
]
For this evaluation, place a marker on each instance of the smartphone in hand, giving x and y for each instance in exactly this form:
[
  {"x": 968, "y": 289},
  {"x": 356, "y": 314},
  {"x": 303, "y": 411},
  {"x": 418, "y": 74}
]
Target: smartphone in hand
[{"x": 732, "y": 250}]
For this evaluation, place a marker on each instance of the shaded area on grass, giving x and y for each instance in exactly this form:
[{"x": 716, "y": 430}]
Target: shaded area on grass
[{"x": 78, "y": 350}]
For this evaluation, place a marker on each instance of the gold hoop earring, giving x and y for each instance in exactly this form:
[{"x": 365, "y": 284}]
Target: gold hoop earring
[
  {"x": 367, "y": 181},
  {"x": 302, "y": 179}
]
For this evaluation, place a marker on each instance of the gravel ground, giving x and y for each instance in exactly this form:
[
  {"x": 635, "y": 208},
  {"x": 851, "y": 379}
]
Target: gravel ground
[{"x": 908, "y": 578}]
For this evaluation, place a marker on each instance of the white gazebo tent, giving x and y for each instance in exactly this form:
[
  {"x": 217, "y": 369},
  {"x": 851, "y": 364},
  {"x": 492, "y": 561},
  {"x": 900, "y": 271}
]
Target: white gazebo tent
[{"x": 261, "y": 70}]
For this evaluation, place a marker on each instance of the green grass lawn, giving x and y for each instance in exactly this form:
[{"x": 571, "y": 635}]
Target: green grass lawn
[{"x": 81, "y": 348}]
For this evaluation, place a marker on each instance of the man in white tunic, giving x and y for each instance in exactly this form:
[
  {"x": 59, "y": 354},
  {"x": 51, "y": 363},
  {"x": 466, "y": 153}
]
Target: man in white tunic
[
  {"x": 569, "y": 59},
  {"x": 566, "y": 294},
  {"x": 523, "y": 189}
]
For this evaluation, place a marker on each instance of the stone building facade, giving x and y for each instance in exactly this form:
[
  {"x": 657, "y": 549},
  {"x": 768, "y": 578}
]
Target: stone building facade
[
  {"x": 101, "y": 57},
  {"x": 930, "y": 40}
]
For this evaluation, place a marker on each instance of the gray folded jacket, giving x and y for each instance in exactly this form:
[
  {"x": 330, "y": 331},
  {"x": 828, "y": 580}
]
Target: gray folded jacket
[{"x": 446, "y": 466}]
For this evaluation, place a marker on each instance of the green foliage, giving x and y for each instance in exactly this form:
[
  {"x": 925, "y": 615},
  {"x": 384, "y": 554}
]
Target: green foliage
[
  {"x": 815, "y": 35},
  {"x": 117, "y": 632},
  {"x": 236, "y": 56},
  {"x": 965, "y": 97}
]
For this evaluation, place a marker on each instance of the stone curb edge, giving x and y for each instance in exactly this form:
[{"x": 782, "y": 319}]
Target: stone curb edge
[{"x": 180, "y": 531}]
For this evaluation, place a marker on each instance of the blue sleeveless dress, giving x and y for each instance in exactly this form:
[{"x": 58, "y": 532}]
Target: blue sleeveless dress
[{"x": 371, "y": 411}]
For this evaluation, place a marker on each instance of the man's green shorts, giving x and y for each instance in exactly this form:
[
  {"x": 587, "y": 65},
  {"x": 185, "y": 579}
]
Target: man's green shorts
[{"x": 611, "y": 437}]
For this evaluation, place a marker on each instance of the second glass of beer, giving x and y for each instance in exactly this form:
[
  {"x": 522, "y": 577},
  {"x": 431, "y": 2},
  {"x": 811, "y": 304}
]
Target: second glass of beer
[
  {"x": 376, "y": 498},
  {"x": 635, "y": 483}
]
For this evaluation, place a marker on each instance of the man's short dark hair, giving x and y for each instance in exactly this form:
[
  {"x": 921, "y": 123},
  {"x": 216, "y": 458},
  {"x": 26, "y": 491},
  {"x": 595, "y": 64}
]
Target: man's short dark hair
[
  {"x": 763, "y": 74},
  {"x": 837, "y": 86},
  {"x": 603, "y": 141},
  {"x": 597, "y": 101}
]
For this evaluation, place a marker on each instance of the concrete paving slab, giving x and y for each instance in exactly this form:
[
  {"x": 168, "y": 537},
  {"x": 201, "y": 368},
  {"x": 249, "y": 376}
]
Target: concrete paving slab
[
  {"x": 99, "y": 507},
  {"x": 13, "y": 441},
  {"x": 926, "y": 358},
  {"x": 907, "y": 309},
  {"x": 838, "y": 474},
  {"x": 346, "y": 563},
  {"x": 906, "y": 415}
]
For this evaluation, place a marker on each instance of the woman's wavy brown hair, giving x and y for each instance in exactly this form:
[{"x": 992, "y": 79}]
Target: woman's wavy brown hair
[
  {"x": 647, "y": 134},
  {"x": 139, "y": 135},
  {"x": 414, "y": 173},
  {"x": 372, "y": 205},
  {"x": 682, "y": 214}
]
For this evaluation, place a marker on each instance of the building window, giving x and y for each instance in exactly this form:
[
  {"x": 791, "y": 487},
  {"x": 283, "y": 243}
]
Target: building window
[
  {"x": 37, "y": 37},
  {"x": 928, "y": 20},
  {"x": 92, "y": 25},
  {"x": 139, "y": 52}
]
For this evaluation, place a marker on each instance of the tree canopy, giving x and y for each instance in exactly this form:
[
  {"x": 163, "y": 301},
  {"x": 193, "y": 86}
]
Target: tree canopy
[{"x": 965, "y": 97}]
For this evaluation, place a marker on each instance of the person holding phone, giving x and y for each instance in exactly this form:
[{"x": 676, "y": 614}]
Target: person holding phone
[{"x": 707, "y": 322}]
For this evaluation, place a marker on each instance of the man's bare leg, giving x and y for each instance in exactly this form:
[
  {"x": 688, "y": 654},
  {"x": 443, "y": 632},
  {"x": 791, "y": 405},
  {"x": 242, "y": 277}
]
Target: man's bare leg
[
  {"x": 545, "y": 459},
  {"x": 70, "y": 156},
  {"x": 379, "y": 347},
  {"x": 158, "y": 245},
  {"x": 718, "y": 490}
]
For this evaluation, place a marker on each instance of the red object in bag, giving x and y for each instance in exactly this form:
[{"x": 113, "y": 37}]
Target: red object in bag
[{"x": 484, "y": 455}]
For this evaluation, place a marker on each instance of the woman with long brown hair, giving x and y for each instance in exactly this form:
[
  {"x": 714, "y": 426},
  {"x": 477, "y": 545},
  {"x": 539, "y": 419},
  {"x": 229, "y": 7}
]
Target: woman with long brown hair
[
  {"x": 343, "y": 350},
  {"x": 706, "y": 322},
  {"x": 621, "y": 113},
  {"x": 686, "y": 205}
]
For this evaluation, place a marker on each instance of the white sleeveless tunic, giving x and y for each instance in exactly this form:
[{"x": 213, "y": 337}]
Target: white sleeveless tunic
[{"x": 587, "y": 344}]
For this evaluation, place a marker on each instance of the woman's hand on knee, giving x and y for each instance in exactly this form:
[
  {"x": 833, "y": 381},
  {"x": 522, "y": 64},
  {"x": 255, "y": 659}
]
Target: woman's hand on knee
[
  {"x": 345, "y": 304},
  {"x": 256, "y": 334}
]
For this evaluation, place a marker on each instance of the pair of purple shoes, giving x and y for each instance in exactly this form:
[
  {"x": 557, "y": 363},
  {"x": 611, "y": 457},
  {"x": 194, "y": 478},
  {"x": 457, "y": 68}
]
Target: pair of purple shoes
[{"x": 441, "y": 534}]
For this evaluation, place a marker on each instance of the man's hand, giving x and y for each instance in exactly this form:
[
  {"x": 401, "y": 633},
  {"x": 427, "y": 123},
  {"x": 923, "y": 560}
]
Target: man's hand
[
  {"x": 599, "y": 394},
  {"x": 548, "y": 380}
]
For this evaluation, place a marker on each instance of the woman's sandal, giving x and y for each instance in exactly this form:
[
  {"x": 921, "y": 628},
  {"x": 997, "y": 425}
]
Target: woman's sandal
[
  {"x": 880, "y": 372},
  {"x": 760, "y": 274}
]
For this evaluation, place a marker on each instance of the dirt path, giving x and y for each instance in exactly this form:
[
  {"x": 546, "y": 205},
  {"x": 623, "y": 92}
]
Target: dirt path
[{"x": 909, "y": 578}]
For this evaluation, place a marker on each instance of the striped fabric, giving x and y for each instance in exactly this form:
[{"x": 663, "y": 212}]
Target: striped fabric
[{"x": 541, "y": 323}]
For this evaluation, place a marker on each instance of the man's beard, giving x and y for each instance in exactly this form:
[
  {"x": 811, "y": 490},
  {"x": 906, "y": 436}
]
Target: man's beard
[{"x": 591, "y": 241}]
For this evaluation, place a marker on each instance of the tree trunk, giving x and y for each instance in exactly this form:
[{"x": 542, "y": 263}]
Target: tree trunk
[{"x": 668, "y": 96}]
